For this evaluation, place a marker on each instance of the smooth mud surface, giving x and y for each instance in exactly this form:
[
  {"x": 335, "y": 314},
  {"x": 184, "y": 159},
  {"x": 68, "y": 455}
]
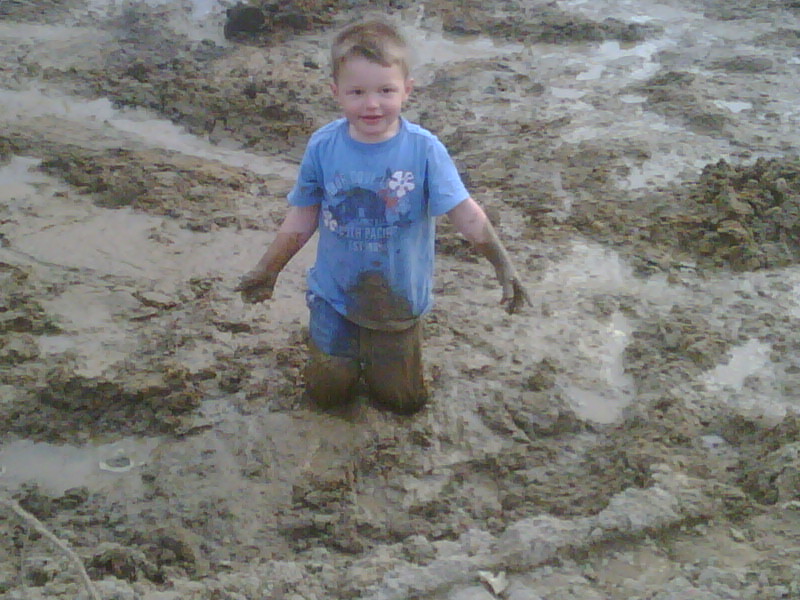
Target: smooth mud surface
[{"x": 633, "y": 434}]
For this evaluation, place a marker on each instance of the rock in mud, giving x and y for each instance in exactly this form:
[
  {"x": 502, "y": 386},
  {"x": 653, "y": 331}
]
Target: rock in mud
[
  {"x": 18, "y": 348},
  {"x": 121, "y": 562},
  {"x": 243, "y": 19},
  {"x": 776, "y": 478}
]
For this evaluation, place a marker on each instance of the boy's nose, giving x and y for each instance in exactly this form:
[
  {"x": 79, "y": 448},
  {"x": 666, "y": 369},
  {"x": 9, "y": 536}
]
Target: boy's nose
[{"x": 372, "y": 100}]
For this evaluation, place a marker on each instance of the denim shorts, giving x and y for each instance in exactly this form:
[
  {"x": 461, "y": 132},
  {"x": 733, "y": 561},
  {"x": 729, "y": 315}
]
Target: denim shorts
[{"x": 331, "y": 332}]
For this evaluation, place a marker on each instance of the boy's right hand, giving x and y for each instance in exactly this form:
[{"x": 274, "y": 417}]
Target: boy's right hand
[{"x": 256, "y": 286}]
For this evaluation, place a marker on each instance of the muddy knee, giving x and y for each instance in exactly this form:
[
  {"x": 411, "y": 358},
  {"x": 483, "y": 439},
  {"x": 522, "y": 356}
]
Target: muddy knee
[
  {"x": 330, "y": 380},
  {"x": 399, "y": 398},
  {"x": 401, "y": 390},
  {"x": 393, "y": 368}
]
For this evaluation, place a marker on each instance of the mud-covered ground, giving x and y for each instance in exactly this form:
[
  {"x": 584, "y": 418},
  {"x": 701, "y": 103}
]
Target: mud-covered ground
[{"x": 633, "y": 434}]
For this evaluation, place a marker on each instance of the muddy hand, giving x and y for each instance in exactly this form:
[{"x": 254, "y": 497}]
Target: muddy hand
[
  {"x": 256, "y": 286},
  {"x": 514, "y": 295}
]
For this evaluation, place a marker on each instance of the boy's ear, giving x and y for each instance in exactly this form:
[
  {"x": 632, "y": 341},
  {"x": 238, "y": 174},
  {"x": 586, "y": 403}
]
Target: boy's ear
[
  {"x": 334, "y": 89},
  {"x": 409, "y": 85}
]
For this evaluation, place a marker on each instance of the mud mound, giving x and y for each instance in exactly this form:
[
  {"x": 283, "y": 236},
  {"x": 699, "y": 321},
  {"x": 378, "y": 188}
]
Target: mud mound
[
  {"x": 52, "y": 402},
  {"x": 35, "y": 11},
  {"x": 741, "y": 217},
  {"x": 263, "y": 101},
  {"x": 20, "y": 312},
  {"x": 280, "y": 18},
  {"x": 542, "y": 24},
  {"x": 200, "y": 194},
  {"x": 163, "y": 184},
  {"x": 260, "y": 111},
  {"x": 680, "y": 346},
  {"x": 726, "y": 11},
  {"x": 682, "y": 96}
]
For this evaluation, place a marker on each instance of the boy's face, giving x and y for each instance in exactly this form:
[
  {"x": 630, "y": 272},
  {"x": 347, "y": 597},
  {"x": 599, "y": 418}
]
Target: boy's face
[{"x": 371, "y": 97}]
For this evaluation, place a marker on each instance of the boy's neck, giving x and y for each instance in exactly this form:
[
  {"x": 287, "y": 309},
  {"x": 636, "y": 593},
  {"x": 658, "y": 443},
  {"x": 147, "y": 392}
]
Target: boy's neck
[{"x": 389, "y": 134}]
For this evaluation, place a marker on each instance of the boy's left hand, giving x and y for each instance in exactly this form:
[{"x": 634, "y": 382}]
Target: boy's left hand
[
  {"x": 256, "y": 286},
  {"x": 514, "y": 295}
]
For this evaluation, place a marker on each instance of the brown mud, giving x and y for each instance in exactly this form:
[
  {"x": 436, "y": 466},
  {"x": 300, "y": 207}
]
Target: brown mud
[{"x": 633, "y": 434}]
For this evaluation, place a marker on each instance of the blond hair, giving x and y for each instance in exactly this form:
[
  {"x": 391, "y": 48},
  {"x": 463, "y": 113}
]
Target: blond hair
[{"x": 376, "y": 41}]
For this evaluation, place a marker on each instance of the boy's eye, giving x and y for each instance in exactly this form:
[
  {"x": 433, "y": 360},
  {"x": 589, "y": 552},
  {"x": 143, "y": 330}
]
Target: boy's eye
[{"x": 356, "y": 92}]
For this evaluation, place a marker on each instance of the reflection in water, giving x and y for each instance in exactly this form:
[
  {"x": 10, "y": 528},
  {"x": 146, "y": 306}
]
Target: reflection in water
[
  {"x": 748, "y": 359},
  {"x": 614, "y": 388}
]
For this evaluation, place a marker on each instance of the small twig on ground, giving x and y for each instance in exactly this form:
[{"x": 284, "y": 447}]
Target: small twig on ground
[{"x": 32, "y": 521}]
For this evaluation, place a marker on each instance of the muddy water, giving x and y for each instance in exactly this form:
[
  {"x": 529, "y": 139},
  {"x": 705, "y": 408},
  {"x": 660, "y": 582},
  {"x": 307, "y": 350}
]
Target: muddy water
[
  {"x": 601, "y": 412},
  {"x": 138, "y": 125},
  {"x": 57, "y": 468}
]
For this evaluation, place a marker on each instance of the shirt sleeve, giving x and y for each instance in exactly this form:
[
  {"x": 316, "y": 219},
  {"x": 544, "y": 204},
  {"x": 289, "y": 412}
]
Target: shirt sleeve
[
  {"x": 307, "y": 190},
  {"x": 444, "y": 185}
]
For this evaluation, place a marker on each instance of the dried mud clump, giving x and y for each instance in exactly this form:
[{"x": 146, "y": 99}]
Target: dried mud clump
[
  {"x": 269, "y": 18},
  {"x": 19, "y": 311},
  {"x": 62, "y": 401},
  {"x": 677, "y": 347},
  {"x": 196, "y": 192},
  {"x": 682, "y": 96},
  {"x": 200, "y": 85},
  {"x": 21, "y": 319},
  {"x": 262, "y": 111},
  {"x": 6, "y": 150},
  {"x": 742, "y": 217},
  {"x": 35, "y": 11},
  {"x": 542, "y": 24},
  {"x": 769, "y": 467}
]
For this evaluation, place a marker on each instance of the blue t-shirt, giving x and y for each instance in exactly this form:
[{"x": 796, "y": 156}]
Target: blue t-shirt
[{"x": 378, "y": 204}]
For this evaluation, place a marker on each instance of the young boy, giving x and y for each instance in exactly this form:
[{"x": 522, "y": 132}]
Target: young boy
[{"x": 373, "y": 184}]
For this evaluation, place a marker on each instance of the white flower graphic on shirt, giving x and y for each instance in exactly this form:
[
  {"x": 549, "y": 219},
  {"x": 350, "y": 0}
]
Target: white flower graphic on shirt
[
  {"x": 401, "y": 182},
  {"x": 328, "y": 220}
]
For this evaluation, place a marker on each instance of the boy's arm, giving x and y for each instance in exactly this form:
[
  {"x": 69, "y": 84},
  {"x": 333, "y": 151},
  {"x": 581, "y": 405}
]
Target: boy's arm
[
  {"x": 470, "y": 220},
  {"x": 297, "y": 228}
]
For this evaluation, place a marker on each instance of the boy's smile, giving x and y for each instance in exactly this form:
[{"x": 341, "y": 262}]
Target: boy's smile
[{"x": 371, "y": 97}]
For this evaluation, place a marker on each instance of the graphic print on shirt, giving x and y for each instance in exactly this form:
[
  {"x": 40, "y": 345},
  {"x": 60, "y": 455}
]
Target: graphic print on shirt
[{"x": 367, "y": 210}]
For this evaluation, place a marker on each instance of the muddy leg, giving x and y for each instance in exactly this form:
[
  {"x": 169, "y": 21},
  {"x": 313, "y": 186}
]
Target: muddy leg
[
  {"x": 393, "y": 368},
  {"x": 330, "y": 380},
  {"x": 333, "y": 367}
]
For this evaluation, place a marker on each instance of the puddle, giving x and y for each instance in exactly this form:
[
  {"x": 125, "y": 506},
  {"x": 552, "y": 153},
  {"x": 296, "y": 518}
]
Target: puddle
[
  {"x": 748, "y": 359},
  {"x": 604, "y": 402},
  {"x": 137, "y": 124},
  {"x": 661, "y": 169},
  {"x": 589, "y": 265},
  {"x": 114, "y": 247},
  {"x": 589, "y": 346},
  {"x": 734, "y": 107},
  {"x": 57, "y": 468},
  {"x": 19, "y": 178},
  {"x": 98, "y": 338},
  {"x": 437, "y": 48},
  {"x": 432, "y": 49},
  {"x": 567, "y": 93},
  {"x": 795, "y": 309},
  {"x": 632, "y": 11},
  {"x": 632, "y": 62},
  {"x": 632, "y": 99},
  {"x": 55, "y": 46}
]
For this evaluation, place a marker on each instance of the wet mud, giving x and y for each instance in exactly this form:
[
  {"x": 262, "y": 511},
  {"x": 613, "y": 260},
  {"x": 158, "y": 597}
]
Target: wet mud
[{"x": 633, "y": 434}]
